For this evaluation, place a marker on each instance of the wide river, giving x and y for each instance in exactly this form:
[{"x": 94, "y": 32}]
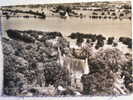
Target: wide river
[{"x": 107, "y": 28}]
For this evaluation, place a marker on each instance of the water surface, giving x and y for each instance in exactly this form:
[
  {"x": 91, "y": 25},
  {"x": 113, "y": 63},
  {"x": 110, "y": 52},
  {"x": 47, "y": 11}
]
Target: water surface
[{"x": 107, "y": 28}]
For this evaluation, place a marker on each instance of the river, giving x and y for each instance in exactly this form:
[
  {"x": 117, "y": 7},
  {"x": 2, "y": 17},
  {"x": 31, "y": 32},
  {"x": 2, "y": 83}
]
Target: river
[{"x": 106, "y": 27}]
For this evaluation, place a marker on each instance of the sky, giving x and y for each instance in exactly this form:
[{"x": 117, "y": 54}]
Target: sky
[{"x": 21, "y": 2}]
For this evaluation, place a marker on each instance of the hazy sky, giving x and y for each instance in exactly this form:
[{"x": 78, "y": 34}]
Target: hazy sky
[{"x": 20, "y": 2}]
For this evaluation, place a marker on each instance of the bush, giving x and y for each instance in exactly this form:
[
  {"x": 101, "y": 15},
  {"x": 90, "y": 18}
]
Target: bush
[
  {"x": 79, "y": 41},
  {"x": 100, "y": 43},
  {"x": 19, "y": 35},
  {"x": 126, "y": 41},
  {"x": 110, "y": 40}
]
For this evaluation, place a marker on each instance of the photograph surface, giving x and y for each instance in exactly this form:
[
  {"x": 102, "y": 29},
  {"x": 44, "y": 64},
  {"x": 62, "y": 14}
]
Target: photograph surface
[{"x": 67, "y": 49}]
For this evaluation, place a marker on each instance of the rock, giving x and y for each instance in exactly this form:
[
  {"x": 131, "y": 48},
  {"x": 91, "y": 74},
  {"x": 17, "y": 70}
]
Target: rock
[
  {"x": 103, "y": 73},
  {"x": 77, "y": 93},
  {"x": 112, "y": 59},
  {"x": 60, "y": 88},
  {"x": 8, "y": 49}
]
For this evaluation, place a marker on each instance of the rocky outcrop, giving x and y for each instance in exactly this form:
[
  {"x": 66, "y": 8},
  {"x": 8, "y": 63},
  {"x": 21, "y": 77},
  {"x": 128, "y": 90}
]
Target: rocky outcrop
[
  {"x": 106, "y": 74},
  {"x": 31, "y": 62},
  {"x": 32, "y": 66}
]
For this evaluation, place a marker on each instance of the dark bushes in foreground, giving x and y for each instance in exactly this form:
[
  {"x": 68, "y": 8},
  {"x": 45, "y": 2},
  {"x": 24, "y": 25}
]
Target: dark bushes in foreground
[{"x": 30, "y": 36}]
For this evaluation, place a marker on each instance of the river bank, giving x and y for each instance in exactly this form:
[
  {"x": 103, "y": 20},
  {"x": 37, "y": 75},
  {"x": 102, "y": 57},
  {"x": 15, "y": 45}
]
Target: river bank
[{"x": 32, "y": 58}]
